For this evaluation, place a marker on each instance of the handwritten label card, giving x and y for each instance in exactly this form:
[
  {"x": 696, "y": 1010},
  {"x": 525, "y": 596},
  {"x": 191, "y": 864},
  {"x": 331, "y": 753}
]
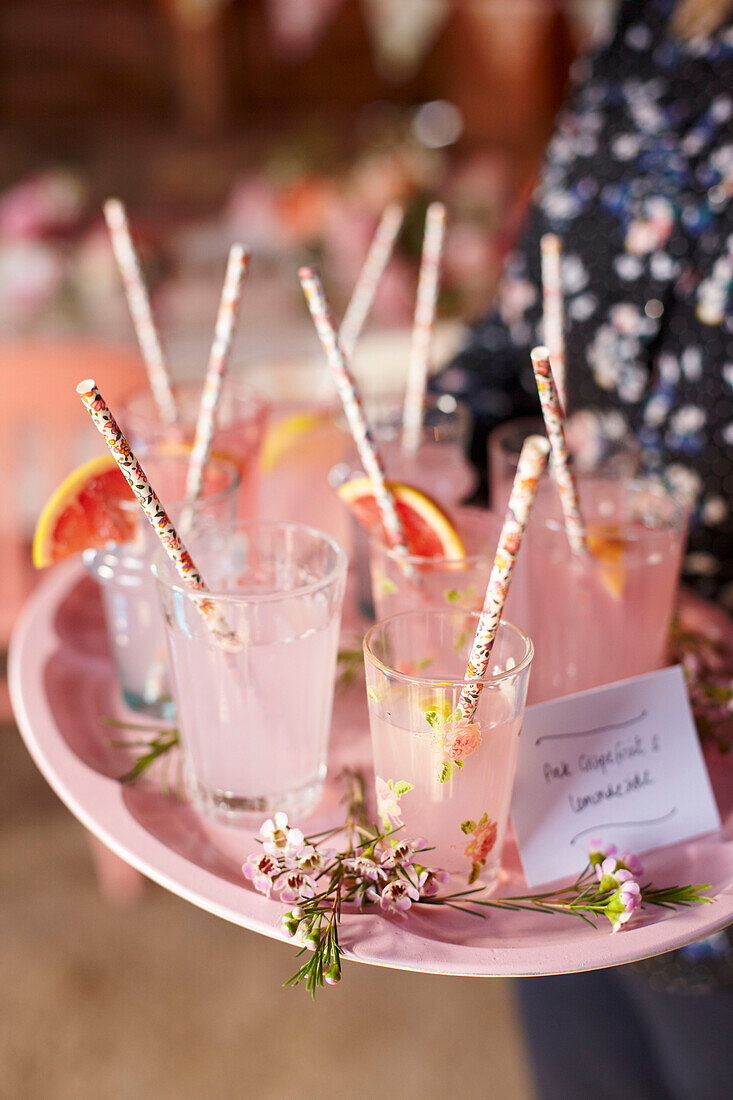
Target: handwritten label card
[{"x": 621, "y": 763}]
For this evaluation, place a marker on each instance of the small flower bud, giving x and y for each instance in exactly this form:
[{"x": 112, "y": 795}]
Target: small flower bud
[{"x": 333, "y": 974}]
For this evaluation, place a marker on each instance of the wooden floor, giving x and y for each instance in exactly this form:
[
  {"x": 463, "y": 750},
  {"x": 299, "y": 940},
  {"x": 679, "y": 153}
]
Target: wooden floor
[{"x": 160, "y": 1000}]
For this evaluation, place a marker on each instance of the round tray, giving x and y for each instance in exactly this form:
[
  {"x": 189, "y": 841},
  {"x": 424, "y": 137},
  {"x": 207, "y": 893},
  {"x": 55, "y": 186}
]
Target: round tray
[{"x": 62, "y": 684}]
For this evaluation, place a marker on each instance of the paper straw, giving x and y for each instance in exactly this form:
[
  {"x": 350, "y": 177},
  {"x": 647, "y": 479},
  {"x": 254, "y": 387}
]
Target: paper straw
[
  {"x": 370, "y": 275},
  {"x": 531, "y": 464},
  {"x": 553, "y": 310},
  {"x": 237, "y": 266},
  {"x": 139, "y": 303},
  {"x": 553, "y": 416},
  {"x": 422, "y": 331},
  {"x": 136, "y": 478},
  {"x": 347, "y": 390}
]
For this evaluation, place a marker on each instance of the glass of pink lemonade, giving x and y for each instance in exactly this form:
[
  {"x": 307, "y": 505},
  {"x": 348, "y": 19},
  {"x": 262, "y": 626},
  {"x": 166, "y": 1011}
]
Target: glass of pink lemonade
[
  {"x": 254, "y": 719},
  {"x": 445, "y": 780},
  {"x": 241, "y": 420},
  {"x": 443, "y": 581},
  {"x": 304, "y": 442},
  {"x": 605, "y": 616},
  {"x": 129, "y": 596}
]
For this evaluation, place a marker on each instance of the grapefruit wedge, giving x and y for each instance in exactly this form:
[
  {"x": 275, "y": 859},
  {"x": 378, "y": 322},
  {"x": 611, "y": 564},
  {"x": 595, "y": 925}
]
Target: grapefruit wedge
[
  {"x": 608, "y": 546},
  {"x": 428, "y": 530},
  {"x": 89, "y": 509}
]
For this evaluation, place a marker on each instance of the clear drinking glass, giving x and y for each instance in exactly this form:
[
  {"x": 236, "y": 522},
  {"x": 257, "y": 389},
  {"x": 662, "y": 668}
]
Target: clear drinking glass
[
  {"x": 241, "y": 420},
  {"x": 593, "y": 447},
  {"x": 603, "y": 617},
  {"x": 305, "y": 440},
  {"x": 254, "y": 721},
  {"x": 440, "y": 582},
  {"x": 415, "y": 664},
  {"x": 127, "y": 585}
]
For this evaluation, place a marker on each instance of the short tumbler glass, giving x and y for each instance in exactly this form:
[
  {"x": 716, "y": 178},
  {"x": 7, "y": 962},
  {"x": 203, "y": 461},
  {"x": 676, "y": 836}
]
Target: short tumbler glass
[
  {"x": 444, "y": 780},
  {"x": 127, "y": 585},
  {"x": 254, "y": 720}
]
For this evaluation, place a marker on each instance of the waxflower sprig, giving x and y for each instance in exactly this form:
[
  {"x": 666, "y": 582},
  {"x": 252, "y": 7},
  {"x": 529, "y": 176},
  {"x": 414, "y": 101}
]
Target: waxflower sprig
[
  {"x": 709, "y": 683},
  {"x": 152, "y": 742},
  {"x": 389, "y": 874}
]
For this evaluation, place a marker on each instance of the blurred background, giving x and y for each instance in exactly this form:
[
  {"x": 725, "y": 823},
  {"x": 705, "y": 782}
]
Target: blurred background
[{"x": 288, "y": 124}]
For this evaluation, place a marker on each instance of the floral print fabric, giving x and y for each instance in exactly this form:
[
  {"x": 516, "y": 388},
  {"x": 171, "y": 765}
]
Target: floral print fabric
[{"x": 637, "y": 183}]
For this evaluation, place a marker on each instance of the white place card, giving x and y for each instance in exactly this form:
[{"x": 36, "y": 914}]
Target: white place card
[{"x": 621, "y": 763}]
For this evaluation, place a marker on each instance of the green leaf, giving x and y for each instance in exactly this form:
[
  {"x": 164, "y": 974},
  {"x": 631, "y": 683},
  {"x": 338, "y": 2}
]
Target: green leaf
[
  {"x": 372, "y": 694},
  {"x": 447, "y": 771},
  {"x": 458, "y": 763},
  {"x": 475, "y": 872},
  {"x": 454, "y": 715},
  {"x": 431, "y": 717},
  {"x": 452, "y": 595},
  {"x": 402, "y": 787},
  {"x": 424, "y": 662},
  {"x": 387, "y": 586},
  {"x": 467, "y": 827}
]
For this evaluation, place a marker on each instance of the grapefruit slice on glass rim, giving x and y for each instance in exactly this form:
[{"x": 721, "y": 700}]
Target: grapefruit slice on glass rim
[
  {"x": 90, "y": 508},
  {"x": 428, "y": 530}
]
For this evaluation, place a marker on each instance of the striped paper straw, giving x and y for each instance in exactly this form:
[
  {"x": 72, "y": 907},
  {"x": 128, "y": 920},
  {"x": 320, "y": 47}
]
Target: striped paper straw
[
  {"x": 139, "y": 303},
  {"x": 531, "y": 464},
  {"x": 370, "y": 275},
  {"x": 136, "y": 478},
  {"x": 347, "y": 390},
  {"x": 553, "y": 416},
  {"x": 422, "y": 330},
  {"x": 237, "y": 266},
  {"x": 553, "y": 310}
]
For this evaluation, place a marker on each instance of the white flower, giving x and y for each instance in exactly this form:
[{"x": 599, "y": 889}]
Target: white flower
[
  {"x": 261, "y": 870},
  {"x": 278, "y": 839},
  {"x": 401, "y": 854},
  {"x": 298, "y": 887},
  {"x": 398, "y": 896}
]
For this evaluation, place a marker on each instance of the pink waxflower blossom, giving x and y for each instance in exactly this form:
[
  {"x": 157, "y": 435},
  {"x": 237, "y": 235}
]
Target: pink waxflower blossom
[
  {"x": 429, "y": 881},
  {"x": 363, "y": 867},
  {"x": 632, "y": 863},
  {"x": 398, "y": 896},
  {"x": 280, "y": 840},
  {"x": 261, "y": 870},
  {"x": 312, "y": 860},
  {"x": 460, "y": 738},
  {"x": 298, "y": 887},
  {"x": 629, "y": 896},
  {"x": 402, "y": 854}
]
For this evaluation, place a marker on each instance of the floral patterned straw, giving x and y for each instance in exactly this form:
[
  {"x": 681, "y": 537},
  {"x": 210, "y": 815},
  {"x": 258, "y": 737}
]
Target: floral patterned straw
[
  {"x": 553, "y": 416},
  {"x": 552, "y": 309},
  {"x": 531, "y": 464},
  {"x": 139, "y": 303},
  {"x": 237, "y": 266},
  {"x": 354, "y": 412},
  {"x": 377, "y": 259},
  {"x": 136, "y": 478},
  {"x": 422, "y": 331}
]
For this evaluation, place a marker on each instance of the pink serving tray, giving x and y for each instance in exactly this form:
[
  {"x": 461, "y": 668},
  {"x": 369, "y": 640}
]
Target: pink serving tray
[{"x": 61, "y": 683}]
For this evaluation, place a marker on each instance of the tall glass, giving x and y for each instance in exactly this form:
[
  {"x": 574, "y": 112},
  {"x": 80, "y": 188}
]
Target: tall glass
[
  {"x": 127, "y": 585},
  {"x": 241, "y": 420},
  {"x": 605, "y": 616},
  {"x": 304, "y": 442},
  {"x": 594, "y": 447},
  {"x": 447, "y": 781},
  {"x": 439, "y": 582},
  {"x": 254, "y": 721}
]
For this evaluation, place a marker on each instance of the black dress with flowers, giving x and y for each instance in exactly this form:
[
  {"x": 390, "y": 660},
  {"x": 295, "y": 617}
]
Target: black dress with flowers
[{"x": 638, "y": 184}]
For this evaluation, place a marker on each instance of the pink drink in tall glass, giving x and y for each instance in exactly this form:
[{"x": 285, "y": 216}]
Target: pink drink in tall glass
[
  {"x": 241, "y": 420},
  {"x": 605, "y": 616},
  {"x": 446, "y": 781}
]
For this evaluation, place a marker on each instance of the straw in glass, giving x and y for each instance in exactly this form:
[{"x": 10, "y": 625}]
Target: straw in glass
[
  {"x": 348, "y": 393},
  {"x": 422, "y": 331},
  {"x": 370, "y": 275},
  {"x": 553, "y": 417},
  {"x": 237, "y": 265},
  {"x": 529, "y": 469},
  {"x": 552, "y": 309},
  {"x": 136, "y": 478},
  {"x": 139, "y": 303}
]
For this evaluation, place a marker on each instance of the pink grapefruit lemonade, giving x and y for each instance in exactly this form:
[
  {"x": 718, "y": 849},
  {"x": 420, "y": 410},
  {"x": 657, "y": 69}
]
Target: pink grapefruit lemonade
[{"x": 440, "y": 778}]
